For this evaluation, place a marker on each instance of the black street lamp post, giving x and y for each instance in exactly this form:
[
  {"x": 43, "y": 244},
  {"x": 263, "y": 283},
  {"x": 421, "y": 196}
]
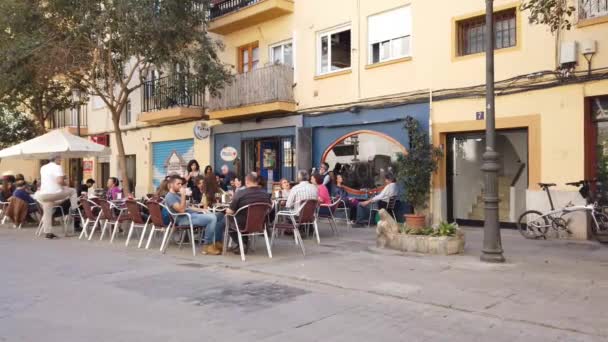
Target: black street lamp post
[
  {"x": 492, "y": 245},
  {"x": 76, "y": 98}
]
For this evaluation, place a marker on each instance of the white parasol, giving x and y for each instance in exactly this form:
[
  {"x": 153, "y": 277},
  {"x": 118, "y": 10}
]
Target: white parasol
[{"x": 55, "y": 142}]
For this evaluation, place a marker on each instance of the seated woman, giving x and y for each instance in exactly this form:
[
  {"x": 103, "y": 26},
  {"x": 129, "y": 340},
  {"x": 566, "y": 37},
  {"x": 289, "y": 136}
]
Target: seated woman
[
  {"x": 285, "y": 188},
  {"x": 113, "y": 190},
  {"x": 198, "y": 190},
  {"x": 323, "y": 194},
  {"x": 338, "y": 190},
  {"x": 211, "y": 187},
  {"x": 238, "y": 185}
]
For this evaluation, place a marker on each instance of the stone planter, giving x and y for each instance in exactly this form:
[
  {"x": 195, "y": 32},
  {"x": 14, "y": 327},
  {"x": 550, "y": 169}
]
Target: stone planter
[
  {"x": 390, "y": 237},
  {"x": 441, "y": 245}
]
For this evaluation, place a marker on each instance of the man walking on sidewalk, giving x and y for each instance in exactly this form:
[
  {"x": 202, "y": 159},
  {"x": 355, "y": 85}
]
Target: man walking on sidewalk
[{"x": 52, "y": 192}]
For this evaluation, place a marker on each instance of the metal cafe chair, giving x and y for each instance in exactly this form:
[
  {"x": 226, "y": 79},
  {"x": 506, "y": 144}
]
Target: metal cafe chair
[
  {"x": 113, "y": 216},
  {"x": 305, "y": 215},
  {"x": 158, "y": 223},
  {"x": 156, "y": 209},
  {"x": 390, "y": 207},
  {"x": 329, "y": 214},
  {"x": 135, "y": 210},
  {"x": 3, "y": 207},
  {"x": 343, "y": 207},
  {"x": 56, "y": 209},
  {"x": 256, "y": 224},
  {"x": 92, "y": 215}
]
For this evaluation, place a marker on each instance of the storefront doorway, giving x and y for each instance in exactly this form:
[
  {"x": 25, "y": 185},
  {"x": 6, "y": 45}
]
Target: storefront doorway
[
  {"x": 273, "y": 158},
  {"x": 466, "y": 180}
]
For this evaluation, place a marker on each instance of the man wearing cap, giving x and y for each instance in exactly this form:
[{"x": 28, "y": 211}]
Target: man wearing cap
[{"x": 53, "y": 191}]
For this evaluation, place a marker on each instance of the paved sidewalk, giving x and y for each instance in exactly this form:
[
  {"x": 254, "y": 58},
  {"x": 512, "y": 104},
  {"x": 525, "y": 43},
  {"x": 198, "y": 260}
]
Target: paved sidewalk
[{"x": 343, "y": 290}]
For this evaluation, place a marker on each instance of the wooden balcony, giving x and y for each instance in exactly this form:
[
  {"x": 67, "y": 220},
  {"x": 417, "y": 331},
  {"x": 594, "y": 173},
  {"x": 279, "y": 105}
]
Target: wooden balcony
[
  {"x": 172, "y": 98},
  {"x": 228, "y": 16},
  {"x": 263, "y": 91}
]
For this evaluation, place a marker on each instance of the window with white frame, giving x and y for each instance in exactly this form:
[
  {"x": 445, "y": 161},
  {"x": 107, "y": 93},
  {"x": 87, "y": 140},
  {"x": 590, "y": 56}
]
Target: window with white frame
[
  {"x": 389, "y": 35},
  {"x": 333, "y": 50},
  {"x": 126, "y": 114},
  {"x": 282, "y": 53},
  {"x": 98, "y": 102}
]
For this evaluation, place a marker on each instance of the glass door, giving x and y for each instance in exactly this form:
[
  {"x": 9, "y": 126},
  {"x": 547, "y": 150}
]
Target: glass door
[{"x": 466, "y": 180}]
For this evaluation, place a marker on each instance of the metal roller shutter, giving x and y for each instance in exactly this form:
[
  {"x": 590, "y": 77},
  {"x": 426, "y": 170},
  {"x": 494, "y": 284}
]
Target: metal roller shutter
[{"x": 161, "y": 151}]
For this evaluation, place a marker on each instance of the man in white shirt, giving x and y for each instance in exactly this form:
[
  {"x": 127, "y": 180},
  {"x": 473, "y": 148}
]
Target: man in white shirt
[
  {"x": 382, "y": 199},
  {"x": 52, "y": 192},
  {"x": 301, "y": 192}
]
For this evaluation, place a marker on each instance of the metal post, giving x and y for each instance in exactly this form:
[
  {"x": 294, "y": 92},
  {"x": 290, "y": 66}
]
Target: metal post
[
  {"x": 79, "y": 168},
  {"x": 492, "y": 245}
]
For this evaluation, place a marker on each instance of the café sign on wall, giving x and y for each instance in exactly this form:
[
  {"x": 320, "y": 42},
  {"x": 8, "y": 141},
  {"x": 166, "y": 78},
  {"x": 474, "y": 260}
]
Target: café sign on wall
[{"x": 228, "y": 153}]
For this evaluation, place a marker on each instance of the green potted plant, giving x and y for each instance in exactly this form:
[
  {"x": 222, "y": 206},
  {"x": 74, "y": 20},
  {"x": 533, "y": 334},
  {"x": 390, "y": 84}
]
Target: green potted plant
[{"x": 414, "y": 169}]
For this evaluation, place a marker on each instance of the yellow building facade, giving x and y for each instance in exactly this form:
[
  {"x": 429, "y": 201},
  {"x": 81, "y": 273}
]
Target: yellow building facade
[{"x": 332, "y": 81}]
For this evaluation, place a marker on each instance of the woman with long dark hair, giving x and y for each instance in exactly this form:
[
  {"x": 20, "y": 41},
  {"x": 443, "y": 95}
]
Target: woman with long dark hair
[
  {"x": 193, "y": 170},
  {"x": 208, "y": 171},
  {"x": 211, "y": 187}
]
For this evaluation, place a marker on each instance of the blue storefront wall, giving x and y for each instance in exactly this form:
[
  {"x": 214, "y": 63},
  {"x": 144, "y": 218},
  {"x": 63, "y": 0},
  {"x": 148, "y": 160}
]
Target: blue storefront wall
[
  {"x": 235, "y": 139},
  {"x": 330, "y": 127}
]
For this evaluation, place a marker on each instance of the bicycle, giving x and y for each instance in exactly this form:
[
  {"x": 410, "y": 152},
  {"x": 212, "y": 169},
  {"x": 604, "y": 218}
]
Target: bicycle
[{"x": 533, "y": 224}]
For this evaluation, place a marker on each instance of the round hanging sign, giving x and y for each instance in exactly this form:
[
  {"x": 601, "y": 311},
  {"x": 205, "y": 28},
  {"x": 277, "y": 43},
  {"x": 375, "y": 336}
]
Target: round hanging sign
[
  {"x": 202, "y": 130},
  {"x": 228, "y": 153}
]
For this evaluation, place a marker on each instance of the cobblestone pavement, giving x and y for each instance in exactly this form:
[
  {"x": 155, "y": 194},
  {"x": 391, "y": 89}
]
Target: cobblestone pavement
[{"x": 342, "y": 290}]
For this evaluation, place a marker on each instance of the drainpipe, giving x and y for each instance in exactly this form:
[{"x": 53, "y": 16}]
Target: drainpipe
[{"x": 359, "y": 50}]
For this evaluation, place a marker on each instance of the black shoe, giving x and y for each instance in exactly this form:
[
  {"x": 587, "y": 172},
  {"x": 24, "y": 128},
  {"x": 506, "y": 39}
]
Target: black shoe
[{"x": 51, "y": 236}]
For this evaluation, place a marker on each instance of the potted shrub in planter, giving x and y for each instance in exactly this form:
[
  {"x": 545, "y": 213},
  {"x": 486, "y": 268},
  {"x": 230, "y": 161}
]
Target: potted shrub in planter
[{"x": 414, "y": 171}]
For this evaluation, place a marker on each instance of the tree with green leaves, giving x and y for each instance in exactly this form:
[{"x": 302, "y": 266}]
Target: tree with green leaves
[
  {"x": 16, "y": 127},
  {"x": 30, "y": 62},
  {"x": 556, "y": 14},
  {"x": 414, "y": 168},
  {"x": 111, "y": 46}
]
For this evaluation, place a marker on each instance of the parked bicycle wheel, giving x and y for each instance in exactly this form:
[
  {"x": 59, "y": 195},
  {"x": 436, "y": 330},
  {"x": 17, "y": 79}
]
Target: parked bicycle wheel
[{"x": 532, "y": 224}]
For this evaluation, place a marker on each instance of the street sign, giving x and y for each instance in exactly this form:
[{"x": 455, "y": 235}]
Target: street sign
[{"x": 479, "y": 115}]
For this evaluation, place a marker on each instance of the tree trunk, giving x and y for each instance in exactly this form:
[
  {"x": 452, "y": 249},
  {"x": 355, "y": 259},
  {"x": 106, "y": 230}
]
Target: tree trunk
[
  {"x": 41, "y": 122},
  {"x": 122, "y": 158}
]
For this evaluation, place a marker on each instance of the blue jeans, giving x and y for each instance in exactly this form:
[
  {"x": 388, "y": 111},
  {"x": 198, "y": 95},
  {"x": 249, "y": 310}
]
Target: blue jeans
[{"x": 214, "y": 225}]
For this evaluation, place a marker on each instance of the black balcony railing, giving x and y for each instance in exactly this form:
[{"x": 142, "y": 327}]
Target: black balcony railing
[
  {"x": 589, "y": 9},
  {"x": 68, "y": 118},
  {"x": 223, "y": 7},
  {"x": 178, "y": 90}
]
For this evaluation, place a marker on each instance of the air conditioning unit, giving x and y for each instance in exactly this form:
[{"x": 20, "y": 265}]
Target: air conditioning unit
[{"x": 568, "y": 55}]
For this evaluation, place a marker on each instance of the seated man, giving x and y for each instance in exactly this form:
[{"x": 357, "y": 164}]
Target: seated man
[
  {"x": 22, "y": 193},
  {"x": 251, "y": 194},
  {"x": 382, "y": 199},
  {"x": 302, "y": 192},
  {"x": 176, "y": 201}
]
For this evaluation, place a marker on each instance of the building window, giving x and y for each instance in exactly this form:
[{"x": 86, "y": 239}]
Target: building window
[
  {"x": 389, "y": 35},
  {"x": 126, "y": 114},
  {"x": 282, "y": 53},
  {"x": 98, "y": 103},
  {"x": 249, "y": 57},
  {"x": 593, "y": 8},
  {"x": 333, "y": 50},
  {"x": 471, "y": 32}
]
